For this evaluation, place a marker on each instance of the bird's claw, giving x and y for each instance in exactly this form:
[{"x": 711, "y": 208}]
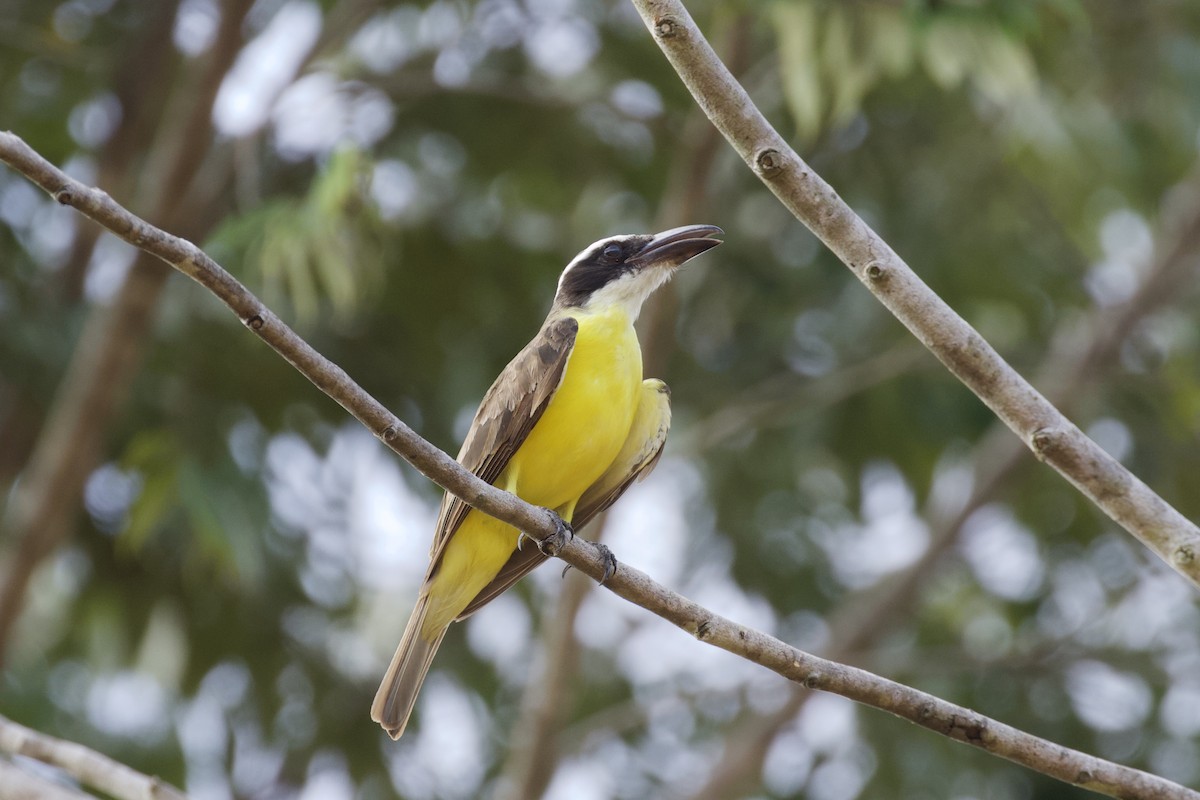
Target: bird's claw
[
  {"x": 552, "y": 544},
  {"x": 610, "y": 564}
]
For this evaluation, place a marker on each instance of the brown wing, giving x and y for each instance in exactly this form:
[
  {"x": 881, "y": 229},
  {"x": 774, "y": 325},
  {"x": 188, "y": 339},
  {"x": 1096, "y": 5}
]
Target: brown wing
[
  {"x": 505, "y": 417},
  {"x": 602, "y": 502},
  {"x": 638, "y": 457},
  {"x": 519, "y": 564}
]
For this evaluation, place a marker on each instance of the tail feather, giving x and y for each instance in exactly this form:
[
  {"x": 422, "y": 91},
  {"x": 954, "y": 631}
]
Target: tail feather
[{"x": 398, "y": 693}]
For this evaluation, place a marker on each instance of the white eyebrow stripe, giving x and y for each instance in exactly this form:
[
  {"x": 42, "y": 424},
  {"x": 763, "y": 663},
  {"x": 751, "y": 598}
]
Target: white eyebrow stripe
[{"x": 591, "y": 250}]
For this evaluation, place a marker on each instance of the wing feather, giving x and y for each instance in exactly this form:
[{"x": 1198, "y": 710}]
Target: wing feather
[
  {"x": 506, "y": 415},
  {"x": 638, "y": 457}
]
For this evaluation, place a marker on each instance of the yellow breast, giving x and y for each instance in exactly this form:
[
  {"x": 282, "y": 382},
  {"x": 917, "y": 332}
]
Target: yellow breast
[
  {"x": 577, "y": 438},
  {"x": 587, "y": 421}
]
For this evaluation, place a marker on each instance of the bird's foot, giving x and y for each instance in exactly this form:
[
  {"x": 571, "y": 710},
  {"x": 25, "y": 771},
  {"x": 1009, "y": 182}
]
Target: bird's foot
[
  {"x": 552, "y": 544},
  {"x": 610, "y": 564}
]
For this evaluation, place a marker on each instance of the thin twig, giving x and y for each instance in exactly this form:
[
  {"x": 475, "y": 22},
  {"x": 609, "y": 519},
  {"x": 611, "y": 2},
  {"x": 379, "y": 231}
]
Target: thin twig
[
  {"x": 84, "y": 764},
  {"x": 1052, "y": 437},
  {"x": 956, "y": 722}
]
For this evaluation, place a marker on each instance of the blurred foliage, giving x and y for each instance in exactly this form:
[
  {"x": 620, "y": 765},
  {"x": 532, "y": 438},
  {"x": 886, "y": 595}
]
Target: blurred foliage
[
  {"x": 327, "y": 244},
  {"x": 245, "y": 560}
]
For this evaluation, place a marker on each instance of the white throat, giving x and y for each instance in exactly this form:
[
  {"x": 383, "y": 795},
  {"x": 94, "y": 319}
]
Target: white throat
[{"x": 629, "y": 292}]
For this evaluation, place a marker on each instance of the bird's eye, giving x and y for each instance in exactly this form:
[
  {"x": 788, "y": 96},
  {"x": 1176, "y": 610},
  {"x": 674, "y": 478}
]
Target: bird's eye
[{"x": 612, "y": 251}]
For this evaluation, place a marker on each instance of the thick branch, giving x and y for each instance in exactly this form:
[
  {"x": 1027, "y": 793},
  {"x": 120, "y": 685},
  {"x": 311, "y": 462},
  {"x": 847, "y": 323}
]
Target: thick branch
[
  {"x": 84, "y": 765},
  {"x": 1052, "y": 437},
  {"x": 958, "y": 723}
]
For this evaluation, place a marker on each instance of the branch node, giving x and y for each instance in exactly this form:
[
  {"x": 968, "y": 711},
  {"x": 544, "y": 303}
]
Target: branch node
[
  {"x": 876, "y": 272},
  {"x": 768, "y": 163},
  {"x": 702, "y": 630},
  {"x": 1184, "y": 556},
  {"x": 812, "y": 680},
  {"x": 255, "y": 322},
  {"x": 967, "y": 729},
  {"x": 389, "y": 433},
  {"x": 64, "y": 197},
  {"x": 1043, "y": 441},
  {"x": 666, "y": 26}
]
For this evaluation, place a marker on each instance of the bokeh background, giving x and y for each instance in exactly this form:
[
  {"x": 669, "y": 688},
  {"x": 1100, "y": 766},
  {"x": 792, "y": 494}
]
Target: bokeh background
[{"x": 207, "y": 564}]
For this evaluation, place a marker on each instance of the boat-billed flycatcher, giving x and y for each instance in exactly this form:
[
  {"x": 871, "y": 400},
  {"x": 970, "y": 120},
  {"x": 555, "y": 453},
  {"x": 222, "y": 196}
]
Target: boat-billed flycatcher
[{"x": 568, "y": 425}]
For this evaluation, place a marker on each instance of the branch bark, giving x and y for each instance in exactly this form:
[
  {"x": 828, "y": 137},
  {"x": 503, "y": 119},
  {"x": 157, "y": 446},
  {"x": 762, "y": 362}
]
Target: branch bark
[
  {"x": 84, "y": 764},
  {"x": 920, "y": 708},
  {"x": 17, "y": 784},
  {"x": 1074, "y": 362},
  {"x": 1050, "y": 435}
]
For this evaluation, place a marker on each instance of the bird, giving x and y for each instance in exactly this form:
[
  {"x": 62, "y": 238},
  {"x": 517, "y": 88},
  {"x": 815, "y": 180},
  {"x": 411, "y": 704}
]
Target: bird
[{"x": 569, "y": 425}]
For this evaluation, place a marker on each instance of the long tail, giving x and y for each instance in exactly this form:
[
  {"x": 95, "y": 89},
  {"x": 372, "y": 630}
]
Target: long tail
[{"x": 398, "y": 693}]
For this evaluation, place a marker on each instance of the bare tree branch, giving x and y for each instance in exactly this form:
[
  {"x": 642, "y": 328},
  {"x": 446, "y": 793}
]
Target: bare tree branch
[
  {"x": 956, "y": 722},
  {"x": 84, "y": 765},
  {"x": 18, "y": 784},
  {"x": 1052, "y": 437},
  {"x": 1074, "y": 361}
]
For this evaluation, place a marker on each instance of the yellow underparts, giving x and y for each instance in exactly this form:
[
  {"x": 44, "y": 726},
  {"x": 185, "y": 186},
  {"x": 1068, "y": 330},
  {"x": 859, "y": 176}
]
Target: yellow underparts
[{"x": 577, "y": 438}]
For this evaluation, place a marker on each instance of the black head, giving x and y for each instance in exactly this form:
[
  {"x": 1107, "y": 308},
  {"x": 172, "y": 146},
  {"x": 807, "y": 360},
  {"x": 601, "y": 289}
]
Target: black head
[{"x": 632, "y": 265}]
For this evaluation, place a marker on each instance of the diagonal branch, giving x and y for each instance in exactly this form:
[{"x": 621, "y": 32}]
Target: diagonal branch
[
  {"x": 948, "y": 719},
  {"x": 84, "y": 765},
  {"x": 1052, "y": 437},
  {"x": 1070, "y": 366}
]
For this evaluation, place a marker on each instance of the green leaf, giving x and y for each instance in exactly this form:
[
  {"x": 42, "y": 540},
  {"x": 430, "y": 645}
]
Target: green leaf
[{"x": 796, "y": 24}]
